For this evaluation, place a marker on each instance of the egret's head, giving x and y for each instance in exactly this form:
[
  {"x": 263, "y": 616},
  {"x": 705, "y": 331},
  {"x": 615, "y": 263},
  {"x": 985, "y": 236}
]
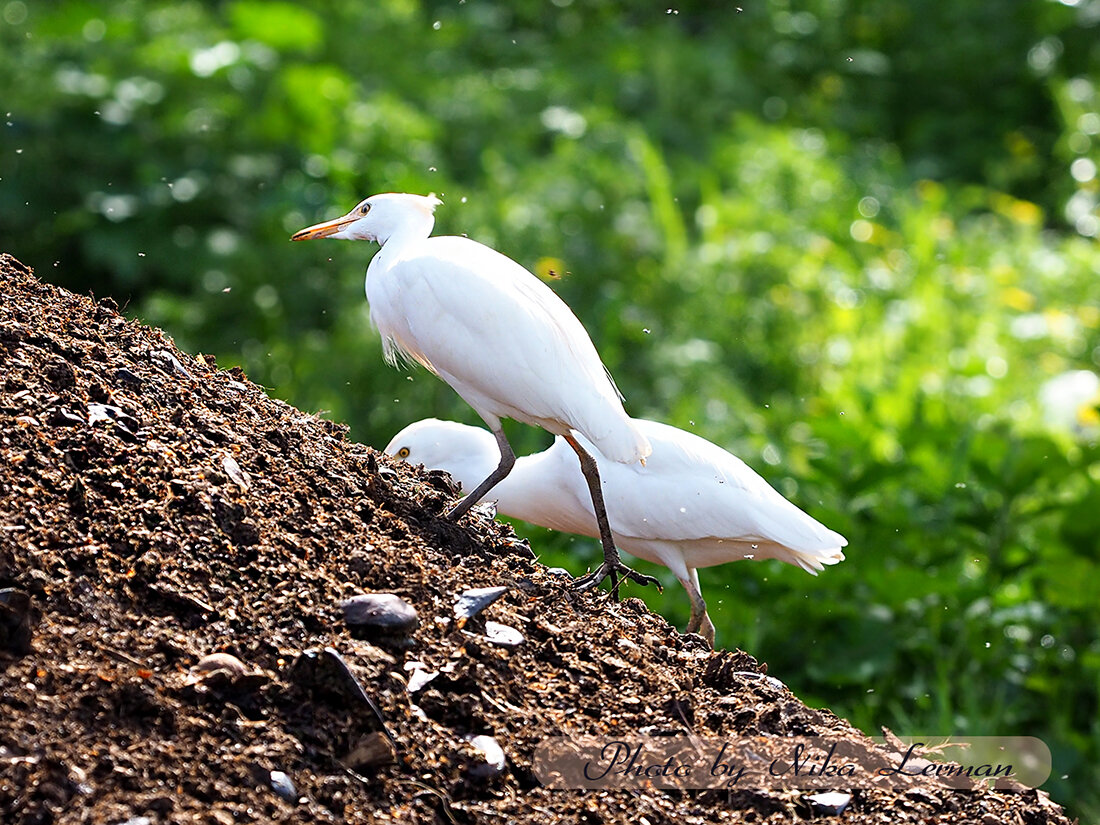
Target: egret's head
[
  {"x": 467, "y": 453},
  {"x": 378, "y": 218}
]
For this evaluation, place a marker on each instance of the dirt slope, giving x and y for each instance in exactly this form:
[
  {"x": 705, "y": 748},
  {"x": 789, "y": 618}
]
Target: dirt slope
[{"x": 156, "y": 510}]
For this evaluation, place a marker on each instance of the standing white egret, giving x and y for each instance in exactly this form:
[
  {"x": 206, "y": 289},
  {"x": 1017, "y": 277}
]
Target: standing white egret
[
  {"x": 691, "y": 505},
  {"x": 499, "y": 336}
]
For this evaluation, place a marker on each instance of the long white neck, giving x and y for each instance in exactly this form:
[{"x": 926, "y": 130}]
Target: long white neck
[
  {"x": 411, "y": 224},
  {"x": 414, "y": 227}
]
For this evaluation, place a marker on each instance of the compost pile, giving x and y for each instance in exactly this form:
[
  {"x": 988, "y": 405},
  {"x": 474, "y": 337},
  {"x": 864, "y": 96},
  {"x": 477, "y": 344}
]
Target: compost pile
[{"x": 176, "y": 552}]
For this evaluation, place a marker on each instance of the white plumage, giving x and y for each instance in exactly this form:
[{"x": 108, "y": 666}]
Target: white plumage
[
  {"x": 692, "y": 505},
  {"x": 493, "y": 331},
  {"x": 529, "y": 359}
]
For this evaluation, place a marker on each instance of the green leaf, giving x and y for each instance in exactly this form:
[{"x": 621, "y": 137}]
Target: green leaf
[{"x": 282, "y": 26}]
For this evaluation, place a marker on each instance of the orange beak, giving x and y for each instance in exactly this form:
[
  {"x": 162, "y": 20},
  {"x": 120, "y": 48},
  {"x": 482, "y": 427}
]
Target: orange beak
[{"x": 322, "y": 230}]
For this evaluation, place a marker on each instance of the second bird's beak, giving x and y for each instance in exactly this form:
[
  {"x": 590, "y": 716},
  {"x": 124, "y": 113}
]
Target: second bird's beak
[{"x": 322, "y": 230}]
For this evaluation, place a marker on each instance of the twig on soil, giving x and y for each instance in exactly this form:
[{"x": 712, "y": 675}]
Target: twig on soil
[
  {"x": 124, "y": 657},
  {"x": 444, "y": 800}
]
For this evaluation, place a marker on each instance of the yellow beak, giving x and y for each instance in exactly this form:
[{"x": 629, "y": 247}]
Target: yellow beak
[{"x": 322, "y": 230}]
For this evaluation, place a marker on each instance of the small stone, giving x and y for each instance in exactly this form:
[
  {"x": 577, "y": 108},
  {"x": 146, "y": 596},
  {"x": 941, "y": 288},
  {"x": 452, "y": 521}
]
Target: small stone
[
  {"x": 473, "y": 601},
  {"x": 521, "y": 547},
  {"x": 167, "y": 361},
  {"x": 281, "y": 784},
  {"x": 233, "y": 666},
  {"x": 380, "y": 614},
  {"x": 223, "y": 671},
  {"x": 359, "y": 559},
  {"x": 372, "y": 750},
  {"x": 99, "y": 393},
  {"x": 98, "y": 412},
  {"x": 14, "y": 601}
]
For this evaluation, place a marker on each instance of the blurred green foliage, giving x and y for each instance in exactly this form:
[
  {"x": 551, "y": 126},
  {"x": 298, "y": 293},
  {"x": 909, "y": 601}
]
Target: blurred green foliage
[{"x": 850, "y": 241}]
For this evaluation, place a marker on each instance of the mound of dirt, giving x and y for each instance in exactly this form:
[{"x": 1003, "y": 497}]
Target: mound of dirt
[{"x": 156, "y": 511}]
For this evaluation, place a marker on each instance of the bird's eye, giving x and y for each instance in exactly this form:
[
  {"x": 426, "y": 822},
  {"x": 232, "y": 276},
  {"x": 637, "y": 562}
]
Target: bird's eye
[
  {"x": 364, "y": 209},
  {"x": 403, "y": 452}
]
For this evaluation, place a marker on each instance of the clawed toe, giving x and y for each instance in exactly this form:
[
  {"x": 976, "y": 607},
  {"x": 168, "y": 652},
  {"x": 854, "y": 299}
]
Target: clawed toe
[{"x": 613, "y": 570}]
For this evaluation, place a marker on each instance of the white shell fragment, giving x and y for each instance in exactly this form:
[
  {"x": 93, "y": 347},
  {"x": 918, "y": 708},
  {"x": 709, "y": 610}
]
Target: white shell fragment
[
  {"x": 830, "y": 802},
  {"x": 167, "y": 361},
  {"x": 419, "y": 676},
  {"x": 502, "y": 634},
  {"x": 493, "y": 754},
  {"x": 235, "y": 473}
]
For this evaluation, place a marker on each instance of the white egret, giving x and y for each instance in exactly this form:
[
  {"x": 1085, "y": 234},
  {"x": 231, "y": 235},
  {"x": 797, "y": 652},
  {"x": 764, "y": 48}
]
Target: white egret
[
  {"x": 691, "y": 505},
  {"x": 499, "y": 336}
]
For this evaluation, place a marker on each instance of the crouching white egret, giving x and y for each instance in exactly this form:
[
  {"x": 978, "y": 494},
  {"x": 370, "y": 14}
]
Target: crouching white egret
[
  {"x": 691, "y": 505},
  {"x": 499, "y": 336}
]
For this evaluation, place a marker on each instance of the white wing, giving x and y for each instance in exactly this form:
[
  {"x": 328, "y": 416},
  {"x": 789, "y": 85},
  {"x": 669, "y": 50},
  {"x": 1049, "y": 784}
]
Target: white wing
[
  {"x": 692, "y": 489},
  {"x": 507, "y": 344}
]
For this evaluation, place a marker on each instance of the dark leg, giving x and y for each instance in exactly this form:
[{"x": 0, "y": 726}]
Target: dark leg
[
  {"x": 700, "y": 622},
  {"x": 507, "y": 460},
  {"x": 612, "y": 565}
]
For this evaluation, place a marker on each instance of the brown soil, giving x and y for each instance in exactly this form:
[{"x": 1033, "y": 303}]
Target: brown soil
[{"x": 158, "y": 510}]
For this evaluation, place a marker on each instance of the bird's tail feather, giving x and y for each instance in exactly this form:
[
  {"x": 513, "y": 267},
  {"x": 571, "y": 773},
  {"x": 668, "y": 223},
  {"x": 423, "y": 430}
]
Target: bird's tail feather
[{"x": 813, "y": 561}]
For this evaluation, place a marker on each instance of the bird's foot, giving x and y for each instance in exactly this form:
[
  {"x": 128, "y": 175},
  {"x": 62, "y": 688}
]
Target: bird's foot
[
  {"x": 488, "y": 509},
  {"x": 612, "y": 568}
]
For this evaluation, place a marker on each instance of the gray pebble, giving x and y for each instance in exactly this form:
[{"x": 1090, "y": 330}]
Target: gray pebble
[
  {"x": 473, "y": 601},
  {"x": 281, "y": 784},
  {"x": 380, "y": 614}
]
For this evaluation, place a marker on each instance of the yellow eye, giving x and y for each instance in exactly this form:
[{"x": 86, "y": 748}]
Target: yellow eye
[
  {"x": 403, "y": 452},
  {"x": 364, "y": 209}
]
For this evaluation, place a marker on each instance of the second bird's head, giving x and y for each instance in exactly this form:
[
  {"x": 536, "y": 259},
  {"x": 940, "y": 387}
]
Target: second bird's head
[
  {"x": 468, "y": 453},
  {"x": 377, "y": 218}
]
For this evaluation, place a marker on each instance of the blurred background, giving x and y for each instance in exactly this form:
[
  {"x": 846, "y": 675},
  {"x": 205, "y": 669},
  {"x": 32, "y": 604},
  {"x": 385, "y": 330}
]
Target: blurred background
[{"x": 854, "y": 243}]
